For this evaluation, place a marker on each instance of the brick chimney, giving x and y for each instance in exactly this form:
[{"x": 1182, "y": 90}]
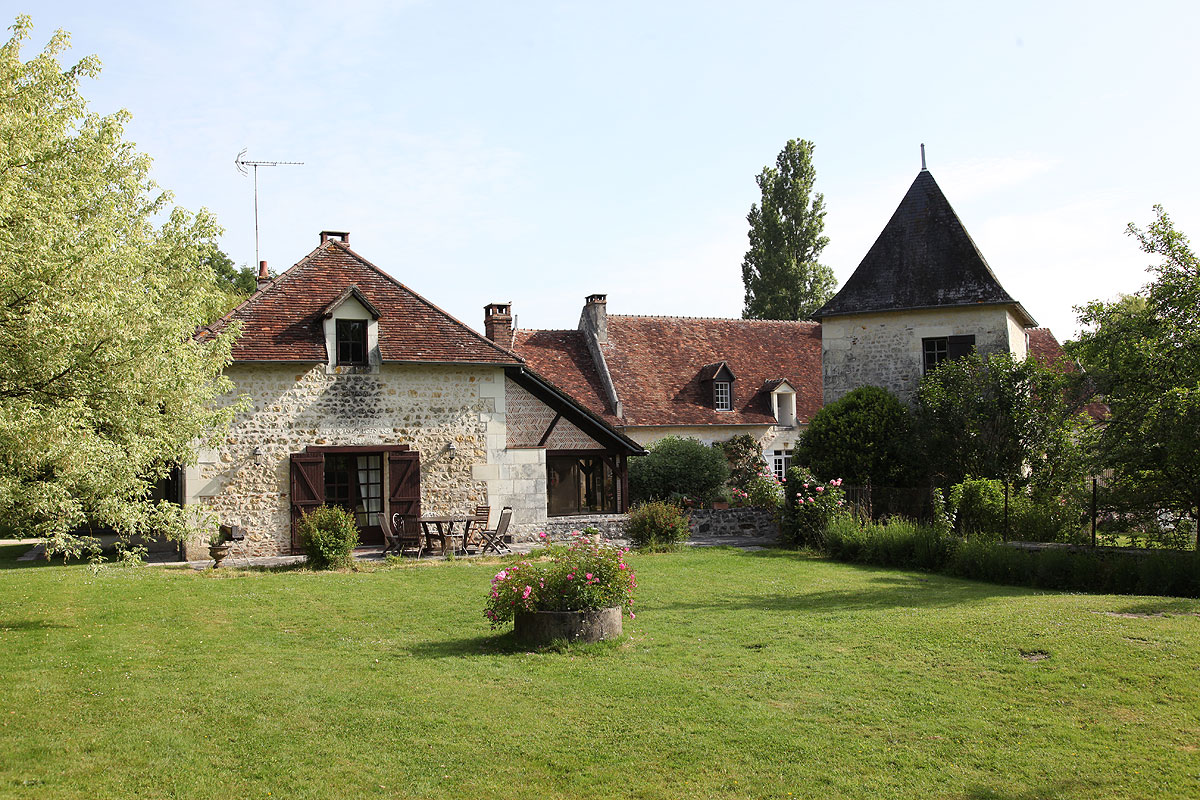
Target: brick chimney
[
  {"x": 594, "y": 318},
  {"x": 264, "y": 277},
  {"x": 497, "y": 323},
  {"x": 337, "y": 236}
]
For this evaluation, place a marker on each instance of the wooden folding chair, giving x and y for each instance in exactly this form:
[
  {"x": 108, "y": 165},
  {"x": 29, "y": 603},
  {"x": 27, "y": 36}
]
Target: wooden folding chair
[
  {"x": 397, "y": 537},
  {"x": 493, "y": 541},
  {"x": 473, "y": 538}
]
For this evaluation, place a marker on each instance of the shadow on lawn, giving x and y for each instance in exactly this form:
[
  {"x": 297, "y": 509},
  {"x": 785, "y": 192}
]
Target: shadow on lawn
[
  {"x": 1051, "y": 792},
  {"x": 29, "y": 625},
  {"x": 486, "y": 644},
  {"x": 885, "y": 591}
]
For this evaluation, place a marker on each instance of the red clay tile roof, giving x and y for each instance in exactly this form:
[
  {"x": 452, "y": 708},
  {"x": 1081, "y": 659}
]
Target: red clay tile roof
[
  {"x": 283, "y": 320},
  {"x": 562, "y": 358},
  {"x": 1046, "y": 349},
  {"x": 656, "y": 365}
]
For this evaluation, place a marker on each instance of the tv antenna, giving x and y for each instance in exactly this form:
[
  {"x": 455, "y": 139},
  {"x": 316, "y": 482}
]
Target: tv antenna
[{"x": 241, "y": 163}]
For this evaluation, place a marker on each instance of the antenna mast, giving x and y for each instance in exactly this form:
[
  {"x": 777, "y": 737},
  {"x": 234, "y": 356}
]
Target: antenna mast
[{"x": 241, "y": 163}]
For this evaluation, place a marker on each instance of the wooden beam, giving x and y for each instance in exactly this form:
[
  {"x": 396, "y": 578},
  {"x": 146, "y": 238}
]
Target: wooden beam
[{"x": 549, "y": 430}]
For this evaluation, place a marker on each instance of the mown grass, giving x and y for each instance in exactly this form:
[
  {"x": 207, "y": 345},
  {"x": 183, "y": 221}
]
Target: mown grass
[{"x": 768, "y": 674}]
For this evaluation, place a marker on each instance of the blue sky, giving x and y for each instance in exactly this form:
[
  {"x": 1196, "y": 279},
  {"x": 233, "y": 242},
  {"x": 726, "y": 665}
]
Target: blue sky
[{"x": 538, "y": 152}]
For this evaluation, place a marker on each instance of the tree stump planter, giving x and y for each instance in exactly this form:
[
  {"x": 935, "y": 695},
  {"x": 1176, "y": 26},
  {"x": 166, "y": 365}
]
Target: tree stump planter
[{"x": 536, "y": 628}]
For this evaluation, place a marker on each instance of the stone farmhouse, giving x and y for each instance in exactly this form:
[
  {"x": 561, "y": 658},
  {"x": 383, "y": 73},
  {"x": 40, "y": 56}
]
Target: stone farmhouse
[
  {"x": 362, "y": 393},
  {"x": 922, "y": 294}
]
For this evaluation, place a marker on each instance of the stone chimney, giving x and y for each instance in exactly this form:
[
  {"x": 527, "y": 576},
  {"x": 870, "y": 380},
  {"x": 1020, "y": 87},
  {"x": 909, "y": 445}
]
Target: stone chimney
[
  {"x": 497, "y": 323},
  {"x": 594, "y": 319},
  {"x": 336, "y": 236},
  {"x": 264, "y": 277}
]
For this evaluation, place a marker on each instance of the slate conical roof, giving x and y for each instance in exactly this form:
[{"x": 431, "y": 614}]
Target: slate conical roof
[{"x": 924, "y": 258}]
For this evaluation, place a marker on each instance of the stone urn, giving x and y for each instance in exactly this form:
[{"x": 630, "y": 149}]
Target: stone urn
[
  {"x": 536, "y": 628},
  {"x": 217, "y": 552}
]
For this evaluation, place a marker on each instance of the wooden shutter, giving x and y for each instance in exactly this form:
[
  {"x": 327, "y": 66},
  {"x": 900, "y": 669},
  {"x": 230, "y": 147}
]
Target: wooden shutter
[
  {"x": 959, "y": 346},
  {"x": 308, "y": 489},
  {"x": 404, "y": 487}
]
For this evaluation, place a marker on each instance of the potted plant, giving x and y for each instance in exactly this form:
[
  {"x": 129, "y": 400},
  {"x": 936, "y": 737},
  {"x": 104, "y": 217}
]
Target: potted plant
[
  {"x": 218, "y": 547},
  {"x": 723, "y": 499},
  {"x": 578, "y": 593}
]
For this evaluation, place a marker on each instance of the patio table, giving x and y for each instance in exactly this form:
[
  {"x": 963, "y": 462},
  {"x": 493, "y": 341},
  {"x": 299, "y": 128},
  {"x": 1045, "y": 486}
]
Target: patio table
[{"x": 440, "y": 529}]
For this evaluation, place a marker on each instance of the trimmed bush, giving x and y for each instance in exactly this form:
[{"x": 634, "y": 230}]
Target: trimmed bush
[
  {"x": 657, "y": 525},
  {"x": 862, "y": 437},
  {"x": 678, "y": 467},
  {"x": 329, "y": 534}
]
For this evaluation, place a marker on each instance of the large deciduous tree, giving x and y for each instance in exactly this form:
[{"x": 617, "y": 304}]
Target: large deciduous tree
[
  {"x": 999, "y": 417},
  {"x": 1143, "y": 354},
  {"x": 781, "y": 274},
  {"x": 102, "y": 386}
]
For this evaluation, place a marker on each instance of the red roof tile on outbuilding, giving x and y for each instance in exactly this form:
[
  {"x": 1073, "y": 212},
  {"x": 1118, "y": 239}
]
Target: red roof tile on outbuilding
[
  {"x": 657, "y": 363},
  {"x": 283, "y": 320}
]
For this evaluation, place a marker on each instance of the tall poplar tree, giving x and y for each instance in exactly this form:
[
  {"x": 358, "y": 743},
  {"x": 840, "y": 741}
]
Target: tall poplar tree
[
  {"x": 782, "y": 276},
  {"x": 103, "y": 387}
]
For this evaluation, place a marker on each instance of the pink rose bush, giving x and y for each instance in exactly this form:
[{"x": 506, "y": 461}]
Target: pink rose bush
[
  {"x": 584, "y": 576},
  {"x": 763, "y": 490},
  {"x": 809, "y": 506}
]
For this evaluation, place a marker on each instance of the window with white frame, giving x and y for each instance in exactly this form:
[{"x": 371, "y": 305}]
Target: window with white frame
[
  {"x": 722, "y": 399},
  {"x": 780, "y": 461}
]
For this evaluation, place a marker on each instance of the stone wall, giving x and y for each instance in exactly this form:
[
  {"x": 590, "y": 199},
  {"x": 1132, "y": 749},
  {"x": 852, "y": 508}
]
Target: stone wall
[
  {"x": 611, "y": 526},
  {"x": 294, "y": 406},
  {"x": 748, "y": 522},
  {"x": 885, "y": 349},
  {"x": 705, "y": 523}
]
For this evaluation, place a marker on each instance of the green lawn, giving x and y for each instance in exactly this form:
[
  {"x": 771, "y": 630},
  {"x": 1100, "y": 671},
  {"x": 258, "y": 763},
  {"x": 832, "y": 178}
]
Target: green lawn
[{"x": 766, "y": 674}]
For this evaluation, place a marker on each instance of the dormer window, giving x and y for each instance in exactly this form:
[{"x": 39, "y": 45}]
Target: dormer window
[
  {"x": 351, "y": 342},
  {"x": 351, "y": 325},
  {"x": 722, "y": 397},
  {"x": 783, "y": 401},
  {"x": 716, "y": 382}
]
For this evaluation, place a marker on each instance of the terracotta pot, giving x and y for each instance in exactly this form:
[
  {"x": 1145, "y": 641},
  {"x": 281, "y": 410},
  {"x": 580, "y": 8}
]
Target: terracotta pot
[
  {"x": 537, "y": 628},
  {"x": 720, "y": 505},
  {"x": 217, "y": 553}
]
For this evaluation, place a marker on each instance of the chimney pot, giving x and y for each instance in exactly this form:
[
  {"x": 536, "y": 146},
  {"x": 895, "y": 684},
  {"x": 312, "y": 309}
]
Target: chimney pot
[
  {"x": 264, "y": 277},
  {"x": 336, "y": 236},
  {"x": 594, "y": 319},
  {"x": 497, "y": 323}
]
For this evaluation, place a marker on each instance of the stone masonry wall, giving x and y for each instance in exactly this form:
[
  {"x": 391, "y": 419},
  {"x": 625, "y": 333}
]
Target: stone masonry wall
[
  {"x": 749, "y": 522},
  {"x": 294, "y": 406},
  {"x": 885, "y": 349}
]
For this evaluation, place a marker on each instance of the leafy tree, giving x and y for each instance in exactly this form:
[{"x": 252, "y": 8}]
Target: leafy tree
[
  {"x": 675, "y": 466},
  {"x": 1143, "y": 354},
  {"x": 235, "y": 283},
  {"x": 102, "y": 386},
  {"x": 243, "y": 280},
  {"x": 1002, "y": 418},
  {"x": 780, "y": 271},
  {"x": 862, "y": 437}
]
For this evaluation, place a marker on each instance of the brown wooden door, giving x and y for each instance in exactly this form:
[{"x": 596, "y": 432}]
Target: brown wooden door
[
  {"x": 308, "y": 490},
  {"x": 404, "y": 486}
]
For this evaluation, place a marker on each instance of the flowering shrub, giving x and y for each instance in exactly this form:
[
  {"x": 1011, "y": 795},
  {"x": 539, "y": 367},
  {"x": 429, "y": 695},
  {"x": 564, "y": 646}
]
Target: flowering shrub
[
  {"x": 585, "y": 576},
  {"x": 809, "y": 507},
  {"x": 764, "y": 490}
]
